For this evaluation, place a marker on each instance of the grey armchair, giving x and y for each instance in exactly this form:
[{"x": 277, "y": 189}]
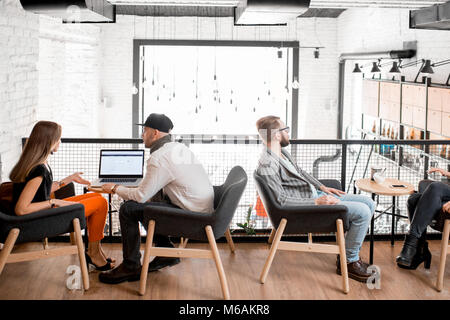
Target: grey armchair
[
  {"x": 39, "y": 226},
  {"x": 171, "y": 221},
  {"x": 302, "y": 220}
]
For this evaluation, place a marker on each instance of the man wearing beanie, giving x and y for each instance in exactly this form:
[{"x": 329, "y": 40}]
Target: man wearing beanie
[{"x": 173, "y": 174}]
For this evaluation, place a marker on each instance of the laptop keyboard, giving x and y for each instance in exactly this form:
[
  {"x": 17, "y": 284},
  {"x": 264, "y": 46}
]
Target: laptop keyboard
[{"x": 119, "y": 180}]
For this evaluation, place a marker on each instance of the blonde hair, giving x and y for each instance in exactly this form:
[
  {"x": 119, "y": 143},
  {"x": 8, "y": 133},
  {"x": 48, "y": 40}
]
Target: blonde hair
[
  {"x": 36, "y": 150},
  {"x": 266, "y": 125}
]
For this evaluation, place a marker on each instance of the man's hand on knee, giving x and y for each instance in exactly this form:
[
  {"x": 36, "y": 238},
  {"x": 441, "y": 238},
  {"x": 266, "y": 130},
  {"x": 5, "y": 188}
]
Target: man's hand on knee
[{"x": 326, "y": 200}]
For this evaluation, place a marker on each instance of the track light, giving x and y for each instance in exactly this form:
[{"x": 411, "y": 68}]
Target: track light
[
  {"x": 394, "y": 68},
  {"x": 356, "y": 69},
  {"x": 375, "y": 68},
  {"x": 427, "y": 68}
]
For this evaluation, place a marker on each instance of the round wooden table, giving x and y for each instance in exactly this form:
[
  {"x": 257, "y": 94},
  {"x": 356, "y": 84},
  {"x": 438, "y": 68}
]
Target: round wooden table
[{"x": 384, "y": 189}]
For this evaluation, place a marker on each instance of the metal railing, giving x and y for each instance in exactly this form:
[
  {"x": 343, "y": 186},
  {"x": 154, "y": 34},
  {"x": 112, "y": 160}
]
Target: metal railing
[{"x": 344, "y": 160}]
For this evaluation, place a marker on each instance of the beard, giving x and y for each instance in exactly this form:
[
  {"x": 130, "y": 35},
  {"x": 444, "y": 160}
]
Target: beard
[{"x": 284, "y": 143}]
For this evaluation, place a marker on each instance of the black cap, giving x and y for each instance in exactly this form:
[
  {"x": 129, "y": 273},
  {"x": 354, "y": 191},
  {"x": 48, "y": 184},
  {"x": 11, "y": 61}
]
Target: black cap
[{"x": 158, "y": 121}]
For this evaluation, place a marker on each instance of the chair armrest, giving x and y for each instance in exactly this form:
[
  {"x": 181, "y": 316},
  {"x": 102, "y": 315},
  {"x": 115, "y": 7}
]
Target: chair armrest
[
  {"x": 311, "y": 219},
  {"x": 41, "y": 224},
  {"x": 317, "y": 209},
  {"x": 331, "y": 183},
  {"x": 423, "y": 184},
  {"x": 172, "y": 221},
  {"x": 42, "y": 214},
  {"x": 156, "y": 211}
]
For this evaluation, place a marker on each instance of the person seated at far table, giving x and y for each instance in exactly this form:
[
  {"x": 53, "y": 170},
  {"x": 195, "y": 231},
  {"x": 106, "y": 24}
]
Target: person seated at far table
[
  {"x": 422, "y": 209},
  {"x": 175, "y": 176},
  {"x": 293, "y": 186}
]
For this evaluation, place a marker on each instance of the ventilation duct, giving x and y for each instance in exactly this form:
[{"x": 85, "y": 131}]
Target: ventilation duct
[
  {"x": 269, "y": 12},
  {"x": 436, "y": 17},
  {"x": 73, "y": 11}
]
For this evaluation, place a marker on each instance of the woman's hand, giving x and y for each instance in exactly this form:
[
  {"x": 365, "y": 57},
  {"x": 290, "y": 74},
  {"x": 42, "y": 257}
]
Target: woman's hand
[
  {"x": 441, "y": 171},
  {"x": 62, "y": 203},
  {"x": 446, "y": 207},
  {"x": 108, "y": 187},
  {"x": 76, "y": 177}
]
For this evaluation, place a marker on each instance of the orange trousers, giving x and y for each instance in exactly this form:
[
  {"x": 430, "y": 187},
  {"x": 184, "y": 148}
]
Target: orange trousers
[{"x": 95, "y": 210}]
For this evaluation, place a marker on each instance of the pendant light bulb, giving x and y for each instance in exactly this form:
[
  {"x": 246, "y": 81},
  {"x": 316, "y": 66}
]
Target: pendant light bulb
[
  {"x": 295, "y": 83},
  {"x": 134, "y": 89}
]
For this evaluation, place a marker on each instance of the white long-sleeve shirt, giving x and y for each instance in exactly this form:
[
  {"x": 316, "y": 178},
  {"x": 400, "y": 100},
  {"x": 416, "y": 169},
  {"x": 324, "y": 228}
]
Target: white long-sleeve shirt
[{"x": 176, "y": 170}]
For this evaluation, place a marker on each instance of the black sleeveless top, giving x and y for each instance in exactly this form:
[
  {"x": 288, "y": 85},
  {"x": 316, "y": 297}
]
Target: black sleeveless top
[{"x": 44, "y": 190}]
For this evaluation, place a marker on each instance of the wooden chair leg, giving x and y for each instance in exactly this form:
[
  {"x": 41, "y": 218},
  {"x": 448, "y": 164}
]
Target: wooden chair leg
[
  {"x": 183, "y": 243},
  {"x": 444, "y": 248},
  {"x": 230, "y": 240},
  {"x": 220, "y": 271},
  {"x": 273, "y": 250},
  {"x": 148, "y": 246},
  {"x": 343, "y": 256},
  {"x": 8, "y": 246},
  {"x": 81, "y": 256},
  {"x": 72, "y": 238},
  {"x": 272, "y": 234},
  {"x": 45, "y": 243}
]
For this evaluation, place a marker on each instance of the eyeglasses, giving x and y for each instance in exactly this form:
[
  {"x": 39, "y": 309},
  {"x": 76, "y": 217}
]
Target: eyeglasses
[{"x": 286, "y": 128}]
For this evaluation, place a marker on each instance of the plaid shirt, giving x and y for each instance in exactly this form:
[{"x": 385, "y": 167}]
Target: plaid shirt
[{"x": 289, "y": 187}]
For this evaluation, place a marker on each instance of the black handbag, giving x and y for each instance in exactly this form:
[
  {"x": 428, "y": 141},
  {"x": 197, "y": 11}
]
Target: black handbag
[{"x": 6, "y": 198}]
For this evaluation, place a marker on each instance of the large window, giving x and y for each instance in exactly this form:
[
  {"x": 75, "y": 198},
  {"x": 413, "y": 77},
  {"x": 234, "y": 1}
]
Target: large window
[{"x": 207, "y": 89}]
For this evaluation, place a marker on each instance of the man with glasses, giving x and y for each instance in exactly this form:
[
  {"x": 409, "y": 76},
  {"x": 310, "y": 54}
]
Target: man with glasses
[{"x": 292, "y": 186}]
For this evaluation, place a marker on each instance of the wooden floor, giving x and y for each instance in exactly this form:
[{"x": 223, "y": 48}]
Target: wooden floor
[{"x": 293, "y": 276}]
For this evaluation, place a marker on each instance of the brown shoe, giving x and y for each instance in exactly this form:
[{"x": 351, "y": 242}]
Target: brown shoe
[
  {"x": 338, "y": 262},
  {"x": 356, "y": 271}
]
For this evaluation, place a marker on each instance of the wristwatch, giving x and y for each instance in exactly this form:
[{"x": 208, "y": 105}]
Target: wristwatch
[
  {"x": 113, "y": 190},
  {"x": 52, "y": 205}
]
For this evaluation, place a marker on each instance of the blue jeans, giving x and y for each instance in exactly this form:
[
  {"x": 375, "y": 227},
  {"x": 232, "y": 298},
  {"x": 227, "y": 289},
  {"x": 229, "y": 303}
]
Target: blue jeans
[{"x": 360, "y": 211}]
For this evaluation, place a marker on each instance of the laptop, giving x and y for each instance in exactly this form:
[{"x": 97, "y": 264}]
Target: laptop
[{"x": 124, "y": 167}]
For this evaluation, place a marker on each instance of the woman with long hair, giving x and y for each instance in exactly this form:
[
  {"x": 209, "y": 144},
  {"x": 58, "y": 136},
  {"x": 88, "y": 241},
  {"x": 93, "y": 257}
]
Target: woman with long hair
[{"x": 33, "y": 184}]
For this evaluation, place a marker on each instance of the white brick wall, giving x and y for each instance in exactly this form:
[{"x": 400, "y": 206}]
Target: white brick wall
[
  {"x": 318, "y": 79},
  {"x": 18, "y": 79},
  {"x": 69, "y": 64},
  {"x": 48, "y": 71}
]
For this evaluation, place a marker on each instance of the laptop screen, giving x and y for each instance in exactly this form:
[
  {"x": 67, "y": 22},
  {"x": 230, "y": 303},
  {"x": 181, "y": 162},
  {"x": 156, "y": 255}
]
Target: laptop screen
[{"x": 121, "y": 163}]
